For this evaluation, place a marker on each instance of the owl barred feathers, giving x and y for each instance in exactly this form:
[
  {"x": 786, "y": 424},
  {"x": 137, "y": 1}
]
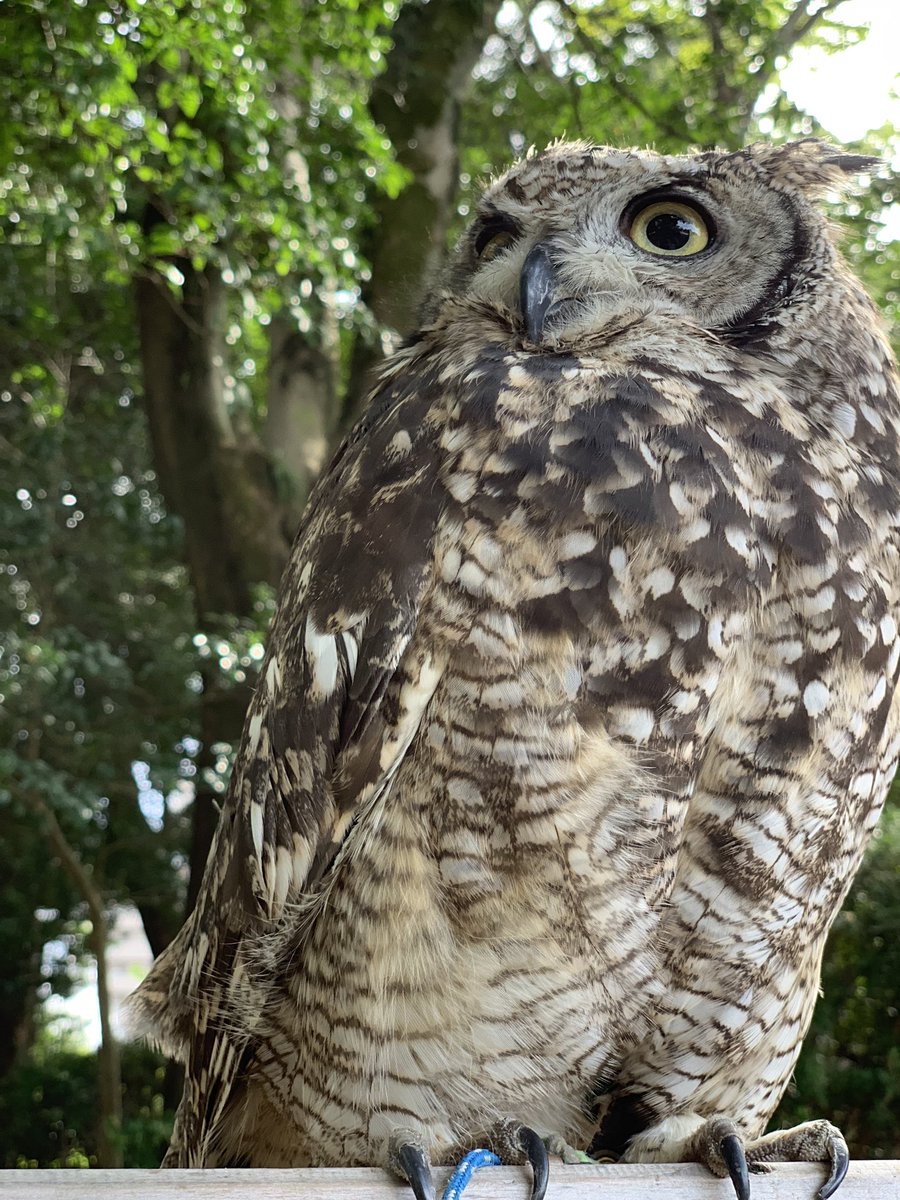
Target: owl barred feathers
[{"x": 579, "y": 703}]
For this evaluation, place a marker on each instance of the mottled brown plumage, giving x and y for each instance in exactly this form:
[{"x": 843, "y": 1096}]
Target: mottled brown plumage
[{"x": 579, "y": 703}]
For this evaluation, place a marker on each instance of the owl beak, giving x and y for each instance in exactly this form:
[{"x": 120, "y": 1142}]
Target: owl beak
[{"x": 537, "y": 288}]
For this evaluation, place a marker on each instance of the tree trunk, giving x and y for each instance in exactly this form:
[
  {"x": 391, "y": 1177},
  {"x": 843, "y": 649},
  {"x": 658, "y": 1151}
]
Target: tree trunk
[
  {"x": 221, "y": 718},
  {"x": 109, "y": 1136},
  {"x": 109, "y": 1068},
  {"x": 417, "y": 100},
  {"x": 18, "y": 1000},
  {"x": 301, "y": 411},
  {"x": 218, "y": 480}
]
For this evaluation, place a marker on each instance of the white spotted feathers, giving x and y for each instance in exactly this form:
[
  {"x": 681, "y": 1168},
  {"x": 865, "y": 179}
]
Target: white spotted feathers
[{"x": 580, "y": 699}]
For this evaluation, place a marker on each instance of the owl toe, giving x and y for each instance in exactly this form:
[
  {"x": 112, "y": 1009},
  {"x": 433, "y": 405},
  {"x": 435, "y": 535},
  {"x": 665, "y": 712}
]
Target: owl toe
[
  {"x": 813, "y": 1141},
  {"x": 731, "y": 1149},
  {"x": 516, "y": 1143},
  {"x": 409, "y": 1159},
  {"x": 719, "y": 1146}
]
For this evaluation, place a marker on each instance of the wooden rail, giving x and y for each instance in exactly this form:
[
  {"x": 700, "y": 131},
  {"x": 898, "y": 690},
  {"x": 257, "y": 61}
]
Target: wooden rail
[{"x": 684, "y": 1181}]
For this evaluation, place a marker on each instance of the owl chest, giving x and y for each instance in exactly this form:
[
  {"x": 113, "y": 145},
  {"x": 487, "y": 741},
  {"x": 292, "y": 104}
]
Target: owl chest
[
  {"x": 487, "y": 942},
  {"x": 533, "y": 819},
  {"x": 477, "y": 954}
]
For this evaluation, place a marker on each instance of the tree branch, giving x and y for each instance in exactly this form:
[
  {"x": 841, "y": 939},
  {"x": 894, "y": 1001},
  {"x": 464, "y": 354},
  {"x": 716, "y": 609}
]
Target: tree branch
[{"x": 108, "y": 1063}]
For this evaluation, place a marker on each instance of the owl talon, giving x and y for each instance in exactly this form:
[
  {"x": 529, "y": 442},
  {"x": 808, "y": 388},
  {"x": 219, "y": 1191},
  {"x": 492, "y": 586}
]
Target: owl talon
[
  {"x": 539, "y": 1159},
  {"x": 516, "y": 1143},
  {"x": 414, "y": 1164},
  {"x": 840, "y": 1161},
  {"x": 735, "y": 1160}
]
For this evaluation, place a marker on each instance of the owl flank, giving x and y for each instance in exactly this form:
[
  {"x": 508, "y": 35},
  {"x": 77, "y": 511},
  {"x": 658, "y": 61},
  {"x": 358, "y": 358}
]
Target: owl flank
[{"x": 579, "y": 704}]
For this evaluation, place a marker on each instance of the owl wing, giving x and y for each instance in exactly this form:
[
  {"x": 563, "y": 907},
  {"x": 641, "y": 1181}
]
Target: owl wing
[{"x": 336, "y": 708}]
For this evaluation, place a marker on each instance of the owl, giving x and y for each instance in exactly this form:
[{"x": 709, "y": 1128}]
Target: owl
[{"x": 579, "y": 705}]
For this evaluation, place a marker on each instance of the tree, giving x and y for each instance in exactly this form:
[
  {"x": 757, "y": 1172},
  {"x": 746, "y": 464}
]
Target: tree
[{"x": 213, "y": 220}]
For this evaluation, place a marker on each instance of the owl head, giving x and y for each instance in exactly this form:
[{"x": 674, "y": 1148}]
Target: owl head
[{"x": 576, "y": 241}]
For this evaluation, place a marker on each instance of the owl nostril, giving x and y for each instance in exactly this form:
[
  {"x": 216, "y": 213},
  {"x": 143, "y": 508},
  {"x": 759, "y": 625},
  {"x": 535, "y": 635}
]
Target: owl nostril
[{"x": 537, "y": 291}]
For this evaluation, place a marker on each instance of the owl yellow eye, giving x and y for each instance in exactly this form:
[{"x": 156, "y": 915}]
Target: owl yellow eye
[
  {"x": 494, "y": 238},
  {"x": 670, "y": 228},
  {"x": 498, "y": 243}
]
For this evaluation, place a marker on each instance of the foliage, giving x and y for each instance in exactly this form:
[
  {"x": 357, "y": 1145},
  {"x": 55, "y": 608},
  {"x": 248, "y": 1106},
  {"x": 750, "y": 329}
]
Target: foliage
[
  {"x": 870, "y": 252},
  {"x": 94, "y": 618},
  {"x": 49, "y": 1107},
  {"x": 112, "y": 103},
  {"x": 114, "y": 111},
  {"x": 663, "y": 73}
]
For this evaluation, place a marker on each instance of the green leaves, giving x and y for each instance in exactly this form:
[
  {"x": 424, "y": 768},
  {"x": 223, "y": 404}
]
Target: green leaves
[
  {"x": 195, "y": 111},
  {"x": 161, "y": 137}
]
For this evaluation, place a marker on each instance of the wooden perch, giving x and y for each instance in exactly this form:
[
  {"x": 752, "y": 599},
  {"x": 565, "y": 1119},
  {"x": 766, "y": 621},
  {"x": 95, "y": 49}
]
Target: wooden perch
[{"x": 684, "y": 1181}]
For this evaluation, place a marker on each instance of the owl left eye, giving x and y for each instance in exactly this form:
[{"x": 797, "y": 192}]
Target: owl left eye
[
  {"x": 670, "y": 228},
  {"x": 494, "y": 237}
]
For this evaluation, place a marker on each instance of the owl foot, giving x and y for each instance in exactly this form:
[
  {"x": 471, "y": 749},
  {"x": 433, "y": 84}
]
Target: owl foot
[
  {"x": 718, "y": 1145},
  {"x": 512, "y": 1142}
]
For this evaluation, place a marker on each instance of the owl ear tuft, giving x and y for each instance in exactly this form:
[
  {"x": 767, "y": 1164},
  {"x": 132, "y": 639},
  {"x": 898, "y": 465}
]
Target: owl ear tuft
[{"x": 811, "y": 165}]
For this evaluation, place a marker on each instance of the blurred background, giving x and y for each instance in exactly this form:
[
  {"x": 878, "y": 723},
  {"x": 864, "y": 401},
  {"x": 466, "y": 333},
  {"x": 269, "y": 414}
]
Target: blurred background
[{"x": 215, "y": 217}]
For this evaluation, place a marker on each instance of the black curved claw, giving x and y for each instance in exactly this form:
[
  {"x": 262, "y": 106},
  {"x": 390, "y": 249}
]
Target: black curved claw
[
  {"x": 417, "y": 1170},
  {"x": 537, "y": 1156},
  {"x": 736, "y": 1161},
  {"x": 840, "y": 1161}
]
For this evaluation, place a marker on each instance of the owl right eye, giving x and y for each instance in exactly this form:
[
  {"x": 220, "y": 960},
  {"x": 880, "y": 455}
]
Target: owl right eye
[
  {"x": 670, "y": 228},
  {"x": 494, "y": 237}
]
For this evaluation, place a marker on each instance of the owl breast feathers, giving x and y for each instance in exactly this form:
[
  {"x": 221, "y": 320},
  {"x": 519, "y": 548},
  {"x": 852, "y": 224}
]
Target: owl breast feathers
[{"x": 579, "y": 702}]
